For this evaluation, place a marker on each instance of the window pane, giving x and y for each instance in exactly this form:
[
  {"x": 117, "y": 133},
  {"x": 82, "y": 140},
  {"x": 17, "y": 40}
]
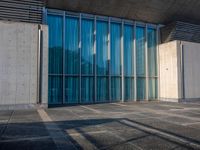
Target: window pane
[
  {"x": 87, "y": 88},
  {"x": 115, "y": 41},
  {"x": 140, "y": 51},
  {"x": 87, "y": 46},
  {"x": 102, "y": 48},
  {"x": 129, "y": 89},
  {"x": 128, "y": 51},
  {"x": 141, "y": 89},
  {"x": 55, "y": 24},
  {"x": 102, "y": 89},
  {"x": 71, "y": 90},
  {"x": 71, "y": 46},
  {"x": 152, "y": 58},
  {"x": 55, "y": 90},
  {"x": 115, "y": 88},
  {"x": 153, "y": 94}
]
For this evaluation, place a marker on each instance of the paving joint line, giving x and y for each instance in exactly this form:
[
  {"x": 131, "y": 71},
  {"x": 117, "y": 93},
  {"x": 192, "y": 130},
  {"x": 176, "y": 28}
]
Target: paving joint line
[
  {"x": 60, "y": 139},
  {"x": 6, "y": 125},
  {"x": 157, "y": 132}
]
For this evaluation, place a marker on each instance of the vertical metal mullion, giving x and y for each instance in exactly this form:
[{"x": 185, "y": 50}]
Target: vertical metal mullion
[
  {"x": 109, "y": 59},
  {"x": 95, "y": 55},
  {"x": 80, "y": 48},
  {"x": 146, "y": 63},
  {"x": 158, "y": 62},
  {"x": 122, "y": 60},
  {"x": 38, "y": 64},
  {"x": 63, "y": 101},
  {"x": 135, "y": 65}
]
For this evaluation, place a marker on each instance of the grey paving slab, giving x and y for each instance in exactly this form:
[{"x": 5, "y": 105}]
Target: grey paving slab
[
  {"x": 39, "y": 144},
  {"x": 4, "y": 115},
  {"x": 155, "y": 143}
]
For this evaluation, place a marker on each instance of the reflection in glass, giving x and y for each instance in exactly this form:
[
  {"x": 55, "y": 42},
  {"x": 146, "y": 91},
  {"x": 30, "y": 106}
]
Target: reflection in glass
[
  {"x": 55, "y": 24},
  {"x": 72, "y": 59},
  {"x": 141, "y": 89},
  {"x": 71, "y": 90},
  {"x": 102, "y": 89},
  {"x": 128, "y": 89},
  {"x": 87, "y": 90},
  {"x": 152, "y": 58},
  {"x": 128, "y": 51},
  {"x": 102, "y": 48},
  {"x": 115, "y": 88},
  {"x": 87, "y": 42},
  {"x": 76, "y": 79},
  {"x": 153, "y": 90},
  {"x": 152, "y": 63},
  {"x": 140, "y": 63},
  {"x": 115, "y": 42},
  {"x": 140, "y": 51},
  {"x": 55, "y": 90}
]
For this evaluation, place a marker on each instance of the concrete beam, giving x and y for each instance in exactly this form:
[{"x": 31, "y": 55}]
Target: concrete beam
[{"x": 154, "y": 11}]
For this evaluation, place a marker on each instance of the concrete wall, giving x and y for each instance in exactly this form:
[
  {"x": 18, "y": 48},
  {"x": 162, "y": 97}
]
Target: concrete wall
[
  {"x": 191, "y": 53},
  {"x": 168, "y": 58},
  {"x": 18, "y": 63},
  {"x": 179, "y": 71}
]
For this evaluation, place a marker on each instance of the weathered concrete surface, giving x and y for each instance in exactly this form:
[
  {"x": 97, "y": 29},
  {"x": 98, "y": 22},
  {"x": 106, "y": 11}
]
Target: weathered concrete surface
[
  {"x": 179, "y": 71},
  {"x": 18, "y": 63},
  {"x": 191, "y": 53},
  {"x": 117, "y": 126},
  {"x": 153, "y": 11},
  {"x": 168, "y": 59}
]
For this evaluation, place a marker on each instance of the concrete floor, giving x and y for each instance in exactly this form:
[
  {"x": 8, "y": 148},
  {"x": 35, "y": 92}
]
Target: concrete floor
[{"x": 138, "y": 126}]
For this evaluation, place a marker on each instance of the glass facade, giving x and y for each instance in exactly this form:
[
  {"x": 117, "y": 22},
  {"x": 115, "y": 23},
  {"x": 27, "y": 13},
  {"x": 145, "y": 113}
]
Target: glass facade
[{"x": 96, "y": 59}]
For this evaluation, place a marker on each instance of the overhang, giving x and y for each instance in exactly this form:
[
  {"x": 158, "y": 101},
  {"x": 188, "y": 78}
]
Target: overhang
[{"x": 152, "y": 11}]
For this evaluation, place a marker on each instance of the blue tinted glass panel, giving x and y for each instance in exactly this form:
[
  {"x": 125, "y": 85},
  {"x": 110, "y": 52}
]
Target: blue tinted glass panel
[
  {"x": 128, "y": 89},
  {"x": 115, "y": 88},
  {"x": 152, "y": 54},
  {"x": 102, "y": 89},
  {"x": 87, "y": 88},
  {"x": 87, "y": 51},
  {"x": 72, "y": 90},
  {"x": 72, "y": 59},
  {"x": 102, "y": 48},
  {"x": 141, "y": 89},
  {"x": 153, "y": 94},
  {"x": 128, "y": 51},
  {"x": 55, "y": 90},
  {"x": 115, "y": 60},
  {"x": 140, "y": 51},
  {"x": 55, "y": 24}
]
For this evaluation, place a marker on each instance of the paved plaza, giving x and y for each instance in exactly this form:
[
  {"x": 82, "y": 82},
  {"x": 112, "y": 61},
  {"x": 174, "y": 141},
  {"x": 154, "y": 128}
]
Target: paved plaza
[{"x": 115, "y": 126}]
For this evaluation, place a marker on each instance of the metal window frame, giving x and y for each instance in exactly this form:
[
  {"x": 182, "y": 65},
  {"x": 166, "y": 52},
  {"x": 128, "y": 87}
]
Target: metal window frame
[
  {"x": 109, "y": 59},
  {"x": 64, "y": 13},
  {"x": 135, "y": 63},
  {"x": 122, "y": 61},
  {"x": 146, "y": 64},
  {"x": 95, "y": 58}
]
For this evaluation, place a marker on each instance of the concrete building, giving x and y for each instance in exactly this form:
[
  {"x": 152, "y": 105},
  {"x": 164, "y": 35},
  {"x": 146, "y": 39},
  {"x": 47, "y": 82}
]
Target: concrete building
[{"x": 67, "y": 52}]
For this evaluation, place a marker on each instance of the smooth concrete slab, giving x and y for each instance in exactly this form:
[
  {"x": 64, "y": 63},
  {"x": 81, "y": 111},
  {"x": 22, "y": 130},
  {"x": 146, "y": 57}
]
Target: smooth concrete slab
[
  {"x": 19, "y": 64},
  {"x": 116, "y": 126},
  {"x": 153, "y": 11}
]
